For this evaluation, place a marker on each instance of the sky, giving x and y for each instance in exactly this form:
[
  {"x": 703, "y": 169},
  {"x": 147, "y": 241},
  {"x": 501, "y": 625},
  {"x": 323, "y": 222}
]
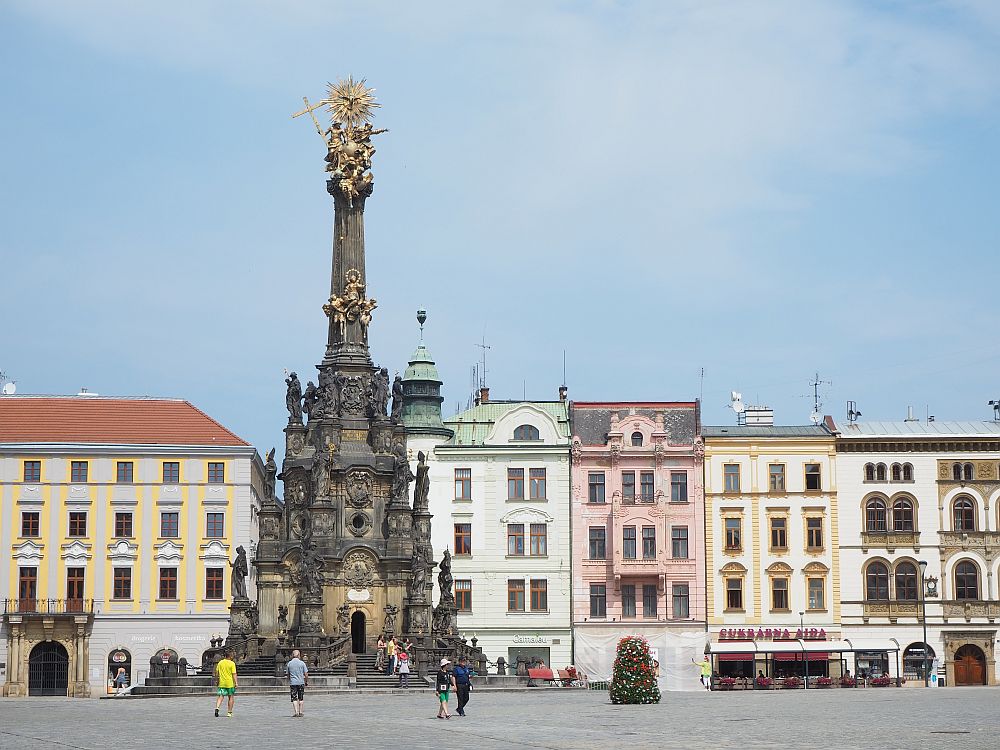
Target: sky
[{"x": 757, "y": 191}]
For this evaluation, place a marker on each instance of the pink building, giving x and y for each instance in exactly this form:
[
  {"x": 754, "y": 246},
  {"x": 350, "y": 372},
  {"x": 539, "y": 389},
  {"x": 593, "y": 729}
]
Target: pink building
[{"x": 638, "y": 514}]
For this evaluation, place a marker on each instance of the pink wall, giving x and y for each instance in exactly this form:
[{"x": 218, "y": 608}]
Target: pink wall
[{"x": 602, "y": 442}]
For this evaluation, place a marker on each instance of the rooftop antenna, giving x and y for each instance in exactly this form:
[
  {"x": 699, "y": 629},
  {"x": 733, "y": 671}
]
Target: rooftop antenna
[
  {"x": 7, "y": 387},
  {"x": 852, "y": 412},
  {"x": 817, "y": 413},
  {"x": 482, "y": 375},
  {"x": 564, "y": 368},
  {"x": 701, "y": 386},
  {"x": 421, "y": 319},
  {"x": 736, "y": 404},
  {"x": 996, "y": 409}
]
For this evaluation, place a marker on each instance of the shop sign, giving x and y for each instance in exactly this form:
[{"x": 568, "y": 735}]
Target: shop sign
[
  {"x": 777, "y": 634},
  {"x": 119, "y": 657},
  {"x": 530, "y": 640}
]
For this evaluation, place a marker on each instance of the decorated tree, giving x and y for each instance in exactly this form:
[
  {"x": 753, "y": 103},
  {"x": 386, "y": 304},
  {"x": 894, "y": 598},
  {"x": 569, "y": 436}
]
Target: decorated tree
[{"x": 633, "y": 680}]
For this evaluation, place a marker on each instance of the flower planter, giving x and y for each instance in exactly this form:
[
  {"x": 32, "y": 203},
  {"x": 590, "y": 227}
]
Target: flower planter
[
  {"x": 824, "y": 682},
  {"x": 848, "y": 683},
  {"x": 792, "y": 683}
]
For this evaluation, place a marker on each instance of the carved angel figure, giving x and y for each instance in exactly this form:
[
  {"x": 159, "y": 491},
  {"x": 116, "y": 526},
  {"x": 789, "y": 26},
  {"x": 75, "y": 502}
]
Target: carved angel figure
[{"x": 401, "y": 474}]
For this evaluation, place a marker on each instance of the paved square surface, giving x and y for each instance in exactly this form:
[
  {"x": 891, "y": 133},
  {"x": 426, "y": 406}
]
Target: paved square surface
[{"x": 548, "y": 718}]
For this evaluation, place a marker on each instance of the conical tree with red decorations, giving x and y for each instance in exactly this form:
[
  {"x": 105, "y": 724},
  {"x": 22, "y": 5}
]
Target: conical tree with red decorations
[{"x": 633, "y": 680}]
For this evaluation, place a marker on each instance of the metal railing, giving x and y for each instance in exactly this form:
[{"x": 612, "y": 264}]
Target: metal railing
[{"x": 34, "y": 606}]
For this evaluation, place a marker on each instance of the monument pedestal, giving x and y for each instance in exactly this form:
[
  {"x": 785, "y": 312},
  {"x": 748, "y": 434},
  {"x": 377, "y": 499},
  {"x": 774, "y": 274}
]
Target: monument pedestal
[{"x": 243, "y": 620}]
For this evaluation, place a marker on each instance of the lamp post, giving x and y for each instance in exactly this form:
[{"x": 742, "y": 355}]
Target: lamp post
[{"x": 923, "y": 613}]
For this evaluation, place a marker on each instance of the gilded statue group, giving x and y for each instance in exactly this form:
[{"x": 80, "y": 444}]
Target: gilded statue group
[{"x": 339, "y": 395}]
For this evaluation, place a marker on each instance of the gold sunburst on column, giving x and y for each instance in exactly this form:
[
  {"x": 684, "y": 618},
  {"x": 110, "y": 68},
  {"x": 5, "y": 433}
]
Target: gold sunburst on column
[{"x": 350, "y": 102}]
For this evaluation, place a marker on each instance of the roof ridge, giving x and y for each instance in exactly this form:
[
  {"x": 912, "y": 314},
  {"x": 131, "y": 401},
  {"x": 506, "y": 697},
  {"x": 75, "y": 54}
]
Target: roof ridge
[{"x": 216, "y": 423}]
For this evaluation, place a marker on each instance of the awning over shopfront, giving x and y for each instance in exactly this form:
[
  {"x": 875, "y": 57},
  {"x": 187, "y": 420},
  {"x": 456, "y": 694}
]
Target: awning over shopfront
[{"x": 799, "y": 649}]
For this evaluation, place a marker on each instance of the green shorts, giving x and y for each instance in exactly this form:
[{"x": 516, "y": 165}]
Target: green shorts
[
  {"x": 443, "y": 696},
  {"x": 227, "y": 691}
]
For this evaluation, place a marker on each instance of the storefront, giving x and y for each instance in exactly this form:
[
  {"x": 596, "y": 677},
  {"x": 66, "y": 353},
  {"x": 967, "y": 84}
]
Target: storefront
[{"x": 120, "y": 658}]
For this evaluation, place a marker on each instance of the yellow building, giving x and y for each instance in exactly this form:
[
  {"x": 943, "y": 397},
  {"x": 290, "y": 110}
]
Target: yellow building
[
  {"x": 119, "y": 518},
  {"x": 772, "y": 549}
]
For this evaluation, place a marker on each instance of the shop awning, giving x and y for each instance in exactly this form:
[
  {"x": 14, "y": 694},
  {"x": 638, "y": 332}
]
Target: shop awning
[
  {"x": 733, "y": 647},
  {"x": 811, "y": 655},
  {"x": 873, "y": 644},
  {"x": 735, "y": 657}
]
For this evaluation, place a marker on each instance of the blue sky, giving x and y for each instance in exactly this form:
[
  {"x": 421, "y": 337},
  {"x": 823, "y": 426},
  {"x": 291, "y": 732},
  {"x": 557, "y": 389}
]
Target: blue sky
[{"x": 765, "y": 190}]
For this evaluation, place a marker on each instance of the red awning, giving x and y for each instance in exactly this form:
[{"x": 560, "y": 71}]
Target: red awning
[
  {"x": 813, "y": 656},
  {"x": 734, "y": 657}
]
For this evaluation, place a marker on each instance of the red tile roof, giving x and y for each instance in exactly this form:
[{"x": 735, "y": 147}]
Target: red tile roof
[{"x": 114, "y": 421}]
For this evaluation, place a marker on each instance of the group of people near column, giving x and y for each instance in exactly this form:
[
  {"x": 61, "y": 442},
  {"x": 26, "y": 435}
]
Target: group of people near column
[{"x": 393, "y": 657}]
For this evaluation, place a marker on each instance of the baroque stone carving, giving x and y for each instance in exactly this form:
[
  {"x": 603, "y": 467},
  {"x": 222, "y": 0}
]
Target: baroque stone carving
[
  {"x": 270, "y": 475},
  {"x": 360, "y": 524},
  {"x": 397, "y": 399},
  {"x": 401, "y": 474},
  {"x": 351, "y": 306},
  {"x": 422, "y": 486},
  {"x": 359, "y": 489},
  {"x": 240, "y": 572},
  {"x": 378, "y": 394},
  {"x": 391, "y": 610},
  {"x": 445, "y": 579},
  {"x": 352, "y": 395},
  {"x": 293, "y": 399},
  {"x": 358, "y": 571}
]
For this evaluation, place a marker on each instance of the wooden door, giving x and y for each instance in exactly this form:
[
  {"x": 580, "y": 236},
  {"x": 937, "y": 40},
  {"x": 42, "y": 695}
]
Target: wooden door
[{"x": 970, "y": 666}]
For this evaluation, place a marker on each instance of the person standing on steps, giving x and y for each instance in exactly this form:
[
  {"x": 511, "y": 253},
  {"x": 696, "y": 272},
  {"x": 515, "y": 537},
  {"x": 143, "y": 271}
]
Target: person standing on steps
[
  {"x": 298, "y": 678},
  {"x": 380, "y": 653},
  {"x": 226, "y": 679},
  {"x": 443, "y": 682},
  {"x": 390, "y": 657},
  {"x": 463, "y": 684},
  {"x": 404, "y": 669}
]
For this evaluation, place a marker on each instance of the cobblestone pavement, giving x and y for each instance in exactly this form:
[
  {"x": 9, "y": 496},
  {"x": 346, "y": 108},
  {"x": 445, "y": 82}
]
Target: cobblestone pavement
[{"x": 546, "y": 718}]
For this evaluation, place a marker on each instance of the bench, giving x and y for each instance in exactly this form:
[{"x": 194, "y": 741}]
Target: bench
[{"x": 541, "y": 673}]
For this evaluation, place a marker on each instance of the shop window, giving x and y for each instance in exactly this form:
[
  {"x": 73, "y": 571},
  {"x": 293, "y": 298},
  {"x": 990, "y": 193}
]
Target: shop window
[
  {"x": 536, "y": 484},
  {"x": 598, "y": 600},
  {"x": 776, "y": 477},
  {"x": 628, "y": 600},
  {"x": 628, "y": 486},
  {"x": 648, "y": 542},
  {"x": 213, "y": 583},
  {"x": 678, "y": 487},
  {"x": 463, "y": 484},
  {"x": 538, "y": 543},
  {"x": 122, "y": 583},
  {"x": 598, "y": 548},
  {"x": 734, "y": 594},
  {"x": 649, "y": 600},
  {"x": 29, "y": 523},
  {"x": 515, "y": 539},
  {"x": 539, "y": 595},
  {"x": 877, "y": 582},
  {"x": 779, "y": 594},
  {"x": 734, "y": 534},
  {"x": 814, "y": 481},
  {"x": 814, "y": 533},
  {"x": 32, "y": 471},
  {"x": 906, "y": 582},
  {"x": 875, "y": 516},
  {"x": 816, "y": 593},
  {"x": 966, "y": 581},
  {"x": 731, "y": 477},
  {"x": 171, "y": 472},
  {"x": 779, "y": 533},
  {"x": 463, "y": 595},
  {"x": 681, "y": 601},
  {"x": 628, "y": 542},
  {"x": 463, "y": 538},
  {"x": 515, "y": 596},
  {"x": 124, "y": 472},
  {"x": 526, "y": 432},
  {"x": 679, "y": 542},
  {"x": 123, "y": 524},
  {"x": 515, "y": 484},
  {"x": 595, "y": 487},
  {"x": 78, "y": 471}
]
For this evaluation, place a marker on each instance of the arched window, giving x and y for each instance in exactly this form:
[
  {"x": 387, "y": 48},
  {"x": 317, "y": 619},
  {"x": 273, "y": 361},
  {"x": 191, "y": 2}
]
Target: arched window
[
  {"x": 968, "y": 472},
  {"x": 906, "y": 582},
  {"x": 636, "y": 439},
  {"x": 902, "y": 515},
  {"x": 956, "y": 471},
  {"x": 963, "y": 514},
  {"x": 877, "y": 582},
  {"x": 897, "y": 473},
  {"x": 880, "y": 473},
  {"x": 875, "y": 515},
  {"x": 966, "y": 580},
  {"x": 869, "y": 472},
  {"x": 907, "y": 472},
  {"x": 526, "y": 432}
]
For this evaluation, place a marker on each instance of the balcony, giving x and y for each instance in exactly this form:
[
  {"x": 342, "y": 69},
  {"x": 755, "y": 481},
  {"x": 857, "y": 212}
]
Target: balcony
[
  {"x": 890, "y": 540},
  {"x": 48, "y": 607},
  {"x": 638, "y": 567},
  {"x": 968, "y": 609},
  {"x": 985, "y": 542},
  {"x": 892, "y": 609}
]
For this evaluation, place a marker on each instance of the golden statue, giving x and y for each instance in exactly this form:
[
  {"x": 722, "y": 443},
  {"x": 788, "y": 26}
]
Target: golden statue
[{"x": 352, "y": 305}]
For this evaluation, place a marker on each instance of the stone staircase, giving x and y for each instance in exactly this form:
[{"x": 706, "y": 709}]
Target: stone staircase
[{"x": 369, "y": 678}]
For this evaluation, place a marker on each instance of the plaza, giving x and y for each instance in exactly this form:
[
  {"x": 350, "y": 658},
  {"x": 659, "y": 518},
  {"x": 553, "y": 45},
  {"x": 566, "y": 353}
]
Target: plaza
[{"x": 543, "y": 718}]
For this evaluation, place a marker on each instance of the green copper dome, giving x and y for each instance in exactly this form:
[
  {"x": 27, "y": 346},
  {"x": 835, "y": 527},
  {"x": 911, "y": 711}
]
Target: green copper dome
[
  {"x": 421, "y": 367},
  {"x": 422, "y": 396}
]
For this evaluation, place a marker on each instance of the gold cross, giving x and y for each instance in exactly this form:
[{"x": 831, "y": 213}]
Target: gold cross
[{"x": 309, "y": 110}]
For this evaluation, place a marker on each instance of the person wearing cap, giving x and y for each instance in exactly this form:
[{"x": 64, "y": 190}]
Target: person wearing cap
[
  {"x": 404, "y": 669},
  {"x": 461, "y": 674},
  {"x": 442, "y": 684},
  {"x": 706, "y": 672}
]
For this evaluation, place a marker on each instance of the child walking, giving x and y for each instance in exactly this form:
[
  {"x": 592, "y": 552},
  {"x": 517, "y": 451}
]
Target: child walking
[
  {"x": 404, "y": 669},
  {"x": 443, "y": 683}
]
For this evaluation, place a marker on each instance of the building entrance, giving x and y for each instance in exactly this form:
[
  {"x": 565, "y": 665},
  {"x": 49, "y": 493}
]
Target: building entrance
[
  {"x": 48, "y": 669},
  {"x": 970, "y": 666},
  {"x": 358, "y": 639}
]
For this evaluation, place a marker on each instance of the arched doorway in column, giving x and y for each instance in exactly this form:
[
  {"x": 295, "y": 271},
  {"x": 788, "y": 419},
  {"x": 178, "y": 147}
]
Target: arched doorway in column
[
  {"x": 48, "y": 669},
  {"x": 970, "y": 665},
  {"x": 358, "y": 639}
]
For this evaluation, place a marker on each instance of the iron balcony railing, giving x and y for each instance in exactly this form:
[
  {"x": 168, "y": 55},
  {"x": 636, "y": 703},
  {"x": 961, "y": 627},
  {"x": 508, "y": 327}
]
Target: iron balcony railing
[{"x": 33, "y": 606}]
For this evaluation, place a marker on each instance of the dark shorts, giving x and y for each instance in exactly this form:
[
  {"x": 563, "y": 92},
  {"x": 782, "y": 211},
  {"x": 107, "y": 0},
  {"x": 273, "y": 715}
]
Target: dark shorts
[{"x": 298, "y": 692}]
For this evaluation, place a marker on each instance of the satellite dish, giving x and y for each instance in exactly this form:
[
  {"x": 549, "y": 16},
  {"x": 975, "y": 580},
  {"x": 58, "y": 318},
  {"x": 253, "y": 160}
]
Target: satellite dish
[
  {"x": 736, "y": 402},
  {"x": 816, "y": 417},
  {"x": 9, "y": 389}
]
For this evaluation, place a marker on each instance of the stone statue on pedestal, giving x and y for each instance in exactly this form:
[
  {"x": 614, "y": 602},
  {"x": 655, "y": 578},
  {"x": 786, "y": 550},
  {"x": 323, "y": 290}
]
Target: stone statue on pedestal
[
  {"x": 270, "y": 476},
  {"x": 391, "y": 610},
  {"x": 240, "y": 572},
  {"x": 397, "y": 398},
  {"x": 401, "y": 474},
  {"x": 343, "y": 618},
  {"x": 445, "y": 579},
  {"x": 293, "y": 399},
  {"x": 422, "y": 487}
]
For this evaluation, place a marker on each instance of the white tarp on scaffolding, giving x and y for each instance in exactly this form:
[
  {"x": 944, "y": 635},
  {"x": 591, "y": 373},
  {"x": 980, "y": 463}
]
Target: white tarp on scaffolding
[{"x": 595, "y": 655}]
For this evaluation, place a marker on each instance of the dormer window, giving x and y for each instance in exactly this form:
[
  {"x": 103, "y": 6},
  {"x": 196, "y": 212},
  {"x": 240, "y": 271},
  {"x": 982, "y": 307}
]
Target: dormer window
[
  {"x": 526, "y": 432},
  {"x": 636, "y": 439}
]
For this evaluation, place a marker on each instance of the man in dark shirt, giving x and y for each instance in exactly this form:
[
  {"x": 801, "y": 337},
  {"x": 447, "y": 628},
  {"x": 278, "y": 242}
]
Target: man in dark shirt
[{"x": 461, "y": 674}]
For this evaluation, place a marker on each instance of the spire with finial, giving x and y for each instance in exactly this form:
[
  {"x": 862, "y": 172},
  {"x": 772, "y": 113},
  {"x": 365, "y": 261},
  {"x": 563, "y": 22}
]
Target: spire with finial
[
  {"x": 422, "y": 391},
  {"x": 421, "y": 319}
]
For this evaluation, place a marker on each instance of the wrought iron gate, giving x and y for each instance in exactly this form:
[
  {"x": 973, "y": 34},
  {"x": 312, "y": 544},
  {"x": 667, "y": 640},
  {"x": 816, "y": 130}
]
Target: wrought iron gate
[{"x": 48, "y": 669}]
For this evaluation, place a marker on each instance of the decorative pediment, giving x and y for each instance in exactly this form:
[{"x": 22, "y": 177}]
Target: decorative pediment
[
  {"x": 816, "y": 567},
  {"x": 214, "y": 552},
  {"x": 123, "y": 552},
  {"x": 526, "y": 514},
  {"x": 76, "y": 553},
  {"x": 28, "y": 554},
  {"x": 733, "y": 569},
  {"x": 168, "y": 553},
  {"x": 779, "y": 568},
  {"x": 31, "y": 494}
]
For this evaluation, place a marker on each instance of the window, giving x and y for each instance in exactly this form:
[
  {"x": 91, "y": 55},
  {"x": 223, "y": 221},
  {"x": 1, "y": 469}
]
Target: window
[
  {"x": 679, "y": 542},
  {"x": 538, "y": 542},
  {"x": 776, "y": 477},
  {"x": 678, "y": 487},
  {"x": 648, "y": 542},
  {"x": 628, "y": 485},
  {"x": 78, "y": 471},
  {"x": 168, "y": 583},
  {"x": 906, "y": 582},
  {"x": 817, "y": 593},
  {"x": 649, "y": 600},
  {"x": 32, "y": 471},
  {"x": 956, "y": 471},
  {"x": 526, "y": 432},
  {"x": 877, "y": 582},
  {"x": 463, "y": 484},
  {"x": 515, "y": 484},
  {"x": 463, "y": 595},
  {"x": 214, "y": 583},
  {"x": 598, "y": 600},
  {"x": 124, "y": 472},
  {"x": 515, "y": 539},
  {"x": 597, "y": 543},
  {"x": 779, "y": 594},
  {"x": 880, "y": 472},
  {"x": 628, "y": 542},
  {"x": 902, "y": 515},
  {"x": 907, "y": 472},
  {"x": 779, "y": 532},
  {"x": 734, "y": 593},
  {"x": 515, "y": 596},
  {"x": 27, "y": 587},
  {"x": 29, "y": 523},
  {"x": 628, "y": 600},
  {"x": 875, "y": 515},
  {"x": 869, "y": 472},
  {"x": 78, "y": 523},
  {"x": 595, "y": 487},
  {"x": 646, "y": 486},
  {"x": 964, "y": 514},
  {"x": 539, "y": 595},
  {"x": 169, "y": 525},
  {"x": 814, "y": 533},
  {"x": 171, "y": 472},
  {"x": 734, "y": 534},
  {"x": 463, "y": 538},
  {"x": 636, "y": 439},
  {"x": 814, "y": 481},
  {"x": 122, "y": 583},
  {"x": 216, "y": 472},
  {"x": 74, "y": 588},
  {"x": 731, "y": 477},
  {"x": 896, "y": 472},
  {"x": 215, "y": 525},
  {"x": 966, "y": 581},
  {"x": 968, "y": 473},
  {"x": 536, "y": 484},
  {"x": 681, "y": 601},
  {"x": 123, "y": 524}
]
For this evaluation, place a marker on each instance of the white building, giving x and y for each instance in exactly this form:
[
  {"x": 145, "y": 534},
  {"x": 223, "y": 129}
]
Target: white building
[{"x": 913, "y": 492}]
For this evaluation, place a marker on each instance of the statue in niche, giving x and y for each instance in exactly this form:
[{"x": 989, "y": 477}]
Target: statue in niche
[
  {"x": 270, "y": 475},
  {"x": 344, "y": 618},
  {"x": 321, "y": 474},
  {"x": 397, "y": 399},
  {"x": 401, "y": 474},
  {"x": 391, "y": 610},
  {"x": 311, "y": 571},
  {"x": 240, "y": 572},
  {"x": 378, "y": 394},
  {"x": 329, "y": 396},
  {"x": 422, "y": 487},
  {"x": 310, "y": 400},
  {"x": 282, "y": 618},
  {"x": 445, "y": 579},
  {"x": 293, "y": 399},
  {"x": 418, "y": 575}
]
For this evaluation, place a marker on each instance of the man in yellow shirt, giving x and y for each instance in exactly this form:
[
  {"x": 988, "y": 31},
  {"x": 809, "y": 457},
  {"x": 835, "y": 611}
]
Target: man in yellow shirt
[
  {"x": 225, "y": 676},
  {"x": 706, "y": 672}
]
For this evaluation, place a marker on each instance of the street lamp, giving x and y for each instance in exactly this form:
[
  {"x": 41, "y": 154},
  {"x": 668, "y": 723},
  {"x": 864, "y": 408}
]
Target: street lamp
[{"x": 923, "y": 613}]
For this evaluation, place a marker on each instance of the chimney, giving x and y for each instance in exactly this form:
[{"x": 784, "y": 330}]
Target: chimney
[
  {"x": 562, "y": 392},
  {"x": 484, "y": 395},
  {"x": 909, "y": 414}
]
